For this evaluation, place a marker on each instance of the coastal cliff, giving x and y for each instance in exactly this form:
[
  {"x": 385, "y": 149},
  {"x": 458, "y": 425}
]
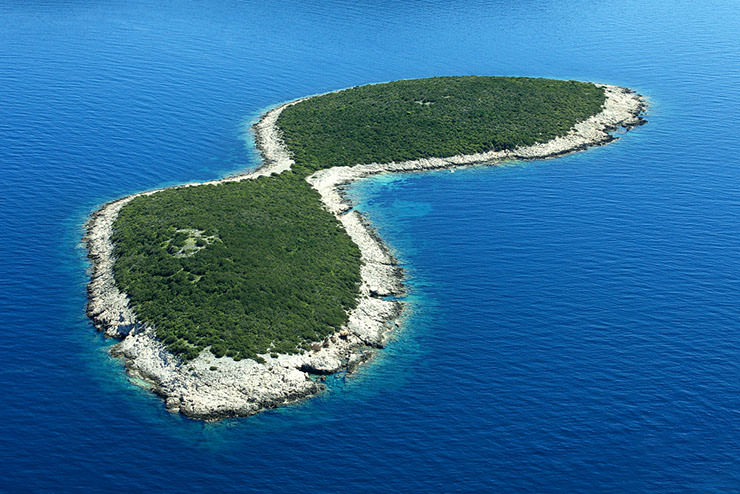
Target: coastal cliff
[{"x": 212, "y": 388}]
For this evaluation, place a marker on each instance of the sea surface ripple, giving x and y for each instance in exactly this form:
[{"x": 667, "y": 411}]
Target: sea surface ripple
[{"x": 574, "y": 323}]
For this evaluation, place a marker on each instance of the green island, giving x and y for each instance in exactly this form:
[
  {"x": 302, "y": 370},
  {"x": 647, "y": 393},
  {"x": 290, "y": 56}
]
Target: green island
[{"x": 259, "y": 266}]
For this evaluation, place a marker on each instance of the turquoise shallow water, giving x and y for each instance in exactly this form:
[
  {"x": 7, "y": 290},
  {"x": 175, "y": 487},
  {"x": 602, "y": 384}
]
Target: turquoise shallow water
[{"x": 574, "y": 322}]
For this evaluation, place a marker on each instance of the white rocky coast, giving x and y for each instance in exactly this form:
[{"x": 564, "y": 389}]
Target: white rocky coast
[{"x": 209, "y": 388}]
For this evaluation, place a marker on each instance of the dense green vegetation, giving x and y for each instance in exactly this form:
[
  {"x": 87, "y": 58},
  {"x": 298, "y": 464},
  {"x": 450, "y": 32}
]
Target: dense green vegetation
[
  {"x": 442, "y": 116},
  {"x": 280, "y": 273},
  {"x": 259, "y": 266}
]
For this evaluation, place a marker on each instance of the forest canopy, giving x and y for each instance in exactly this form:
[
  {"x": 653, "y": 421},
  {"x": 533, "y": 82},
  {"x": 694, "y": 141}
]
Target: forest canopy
[
  {"x": 278, "y": 273},
  {"x": 437, "y": 117}
]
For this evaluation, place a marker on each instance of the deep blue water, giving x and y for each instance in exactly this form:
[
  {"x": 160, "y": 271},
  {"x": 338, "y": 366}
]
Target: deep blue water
[{"x": 574, "y": 324}]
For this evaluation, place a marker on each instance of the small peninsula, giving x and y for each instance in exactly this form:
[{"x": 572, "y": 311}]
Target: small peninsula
[{"x": 234, "y": 296}]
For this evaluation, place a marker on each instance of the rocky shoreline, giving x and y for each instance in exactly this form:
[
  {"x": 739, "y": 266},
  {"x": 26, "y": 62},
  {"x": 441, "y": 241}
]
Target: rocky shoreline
[{"x": 208, "y": 388}]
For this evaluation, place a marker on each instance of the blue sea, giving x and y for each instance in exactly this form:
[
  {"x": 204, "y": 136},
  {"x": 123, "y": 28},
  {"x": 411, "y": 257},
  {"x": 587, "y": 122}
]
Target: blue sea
[{"x": 574, "y": 324}]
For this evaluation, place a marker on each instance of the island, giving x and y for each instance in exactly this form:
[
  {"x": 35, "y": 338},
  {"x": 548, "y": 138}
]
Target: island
[{"x": 237, "y": 295}]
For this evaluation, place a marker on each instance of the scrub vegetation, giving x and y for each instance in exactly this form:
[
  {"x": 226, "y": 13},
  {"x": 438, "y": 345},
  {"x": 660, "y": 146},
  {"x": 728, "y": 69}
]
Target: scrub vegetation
[
  {"x": 280, "y": 273},
  {"x": 259, "y": 266},
  {"x": 438, "y": 117}
]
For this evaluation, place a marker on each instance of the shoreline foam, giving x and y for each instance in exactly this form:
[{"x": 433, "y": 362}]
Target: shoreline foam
[{"x": 247, "y": 387}]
